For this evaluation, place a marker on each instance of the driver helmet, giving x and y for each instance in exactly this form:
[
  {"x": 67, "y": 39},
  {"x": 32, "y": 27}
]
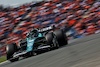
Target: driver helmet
[{"x": 34, "y": 33}]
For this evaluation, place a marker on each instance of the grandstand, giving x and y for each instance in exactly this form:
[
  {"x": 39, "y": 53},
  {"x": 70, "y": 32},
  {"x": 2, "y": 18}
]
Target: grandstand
[{"x": 77, "y": 17}]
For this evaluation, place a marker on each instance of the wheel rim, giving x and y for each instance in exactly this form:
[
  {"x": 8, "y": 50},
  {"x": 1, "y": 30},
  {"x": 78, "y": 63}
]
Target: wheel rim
[{"x": 55, "y": 42}]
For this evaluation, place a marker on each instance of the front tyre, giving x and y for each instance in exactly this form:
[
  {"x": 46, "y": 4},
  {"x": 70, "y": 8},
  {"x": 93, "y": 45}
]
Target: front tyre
[{"x": 10, "y": 50}]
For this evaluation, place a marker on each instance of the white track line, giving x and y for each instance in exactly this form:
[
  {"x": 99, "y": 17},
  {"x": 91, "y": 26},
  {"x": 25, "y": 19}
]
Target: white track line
[{"x": 3, "y": 62}]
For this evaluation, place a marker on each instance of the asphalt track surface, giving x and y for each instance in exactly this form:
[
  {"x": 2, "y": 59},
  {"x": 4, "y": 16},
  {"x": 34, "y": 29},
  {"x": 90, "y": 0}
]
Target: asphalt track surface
[{"x": 81, "y": 52}]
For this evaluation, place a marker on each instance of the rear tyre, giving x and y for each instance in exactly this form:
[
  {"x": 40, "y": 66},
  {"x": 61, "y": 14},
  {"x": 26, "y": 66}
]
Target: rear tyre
[
  {"x": 49, "y": 39},
  {"x": 52, "y": 40},
  {"x": 55, "y": 43},
  {"x": 10, "y": 49},
  {"x": 61, "y": 37}
]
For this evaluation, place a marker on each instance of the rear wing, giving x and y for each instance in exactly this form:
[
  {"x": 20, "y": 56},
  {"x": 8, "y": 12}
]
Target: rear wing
[{"x": 47, "y": 29}]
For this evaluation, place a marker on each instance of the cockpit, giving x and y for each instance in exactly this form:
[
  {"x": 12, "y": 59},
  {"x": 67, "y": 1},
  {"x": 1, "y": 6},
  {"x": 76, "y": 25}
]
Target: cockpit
[{"x": 33, "y": 33}]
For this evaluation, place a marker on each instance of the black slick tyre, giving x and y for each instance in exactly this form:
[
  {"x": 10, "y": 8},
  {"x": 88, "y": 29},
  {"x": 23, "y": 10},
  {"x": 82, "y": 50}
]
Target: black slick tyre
[
  {"x": 49, "y": 39},
  {"x": 10, "y": 49},
  {"x": 55, "y": 42},
  {"x": 61, "y": 37}
]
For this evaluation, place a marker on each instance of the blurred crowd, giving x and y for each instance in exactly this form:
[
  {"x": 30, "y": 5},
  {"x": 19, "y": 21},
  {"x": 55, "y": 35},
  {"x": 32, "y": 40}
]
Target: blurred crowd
[{"x": 77, "y": 17}]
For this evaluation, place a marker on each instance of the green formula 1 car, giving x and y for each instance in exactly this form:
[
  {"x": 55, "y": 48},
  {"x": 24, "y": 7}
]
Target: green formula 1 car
[{"x": 36, "y": 40}]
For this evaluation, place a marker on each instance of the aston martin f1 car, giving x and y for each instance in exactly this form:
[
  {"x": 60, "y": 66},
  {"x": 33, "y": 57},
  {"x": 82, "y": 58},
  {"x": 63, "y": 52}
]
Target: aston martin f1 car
[{"x": 36, "y": 40}]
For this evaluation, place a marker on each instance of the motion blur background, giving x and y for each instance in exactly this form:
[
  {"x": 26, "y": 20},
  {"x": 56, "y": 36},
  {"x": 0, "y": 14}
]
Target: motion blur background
[{"x": 78, "y": 18}]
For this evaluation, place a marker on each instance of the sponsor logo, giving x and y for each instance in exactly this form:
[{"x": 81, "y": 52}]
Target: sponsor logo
[
  {"x": 45, "y": 29},
  {"x": 31, "y": 40}
]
